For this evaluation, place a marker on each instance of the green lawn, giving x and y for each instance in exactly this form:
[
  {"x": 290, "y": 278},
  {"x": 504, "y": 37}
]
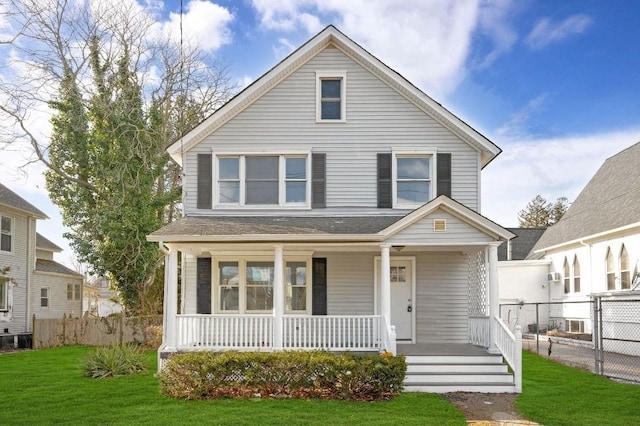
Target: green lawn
[
  {"x": 554, "y": 394},
  {"x": 47, "y": 386}
]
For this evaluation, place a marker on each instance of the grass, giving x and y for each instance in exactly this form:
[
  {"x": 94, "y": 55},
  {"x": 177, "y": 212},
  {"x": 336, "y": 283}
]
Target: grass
[
  {"x": 48, "y": 387},
  {"x": 554, "y": 394}
]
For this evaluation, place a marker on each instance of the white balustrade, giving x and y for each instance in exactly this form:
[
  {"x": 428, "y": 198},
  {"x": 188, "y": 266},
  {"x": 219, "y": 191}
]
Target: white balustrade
[
  {"x": 225, "y": 331},
  {"x": 510, "y": 346},
  {"x": 332, "y": 332},
  {"x": 479, "y": 330}
]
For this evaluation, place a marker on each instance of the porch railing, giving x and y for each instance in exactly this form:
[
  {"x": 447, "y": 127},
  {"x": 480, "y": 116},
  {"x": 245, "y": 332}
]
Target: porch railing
[
  {"x": 332, "y": 332},
  {"x": 225, "y": 332},
  {"x": 479, "y": 330},
  {"x": 510, "y": 346}
]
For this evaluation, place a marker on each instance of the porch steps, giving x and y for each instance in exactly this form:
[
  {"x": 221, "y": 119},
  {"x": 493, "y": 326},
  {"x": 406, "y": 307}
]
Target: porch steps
[{"x": 458, "y": 373}]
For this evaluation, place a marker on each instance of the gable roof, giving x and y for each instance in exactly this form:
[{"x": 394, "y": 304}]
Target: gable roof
[
  {"x": 610, "y": 201},
  {"x": 11, "y": 199},
  {"x": 525, "y": 239},
  {"x": 332, "y": 36},
  {"x": 316, "y": 228},
  {"x": 43, "y": 243},
  {"x": 51, "y": 266}
]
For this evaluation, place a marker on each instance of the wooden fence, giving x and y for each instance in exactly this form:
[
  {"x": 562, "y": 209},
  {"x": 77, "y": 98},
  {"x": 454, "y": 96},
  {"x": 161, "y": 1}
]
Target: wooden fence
[{"x": 114, "y": 329}]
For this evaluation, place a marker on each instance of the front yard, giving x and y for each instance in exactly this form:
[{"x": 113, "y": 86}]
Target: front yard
[{"x": 47, "y": 386}]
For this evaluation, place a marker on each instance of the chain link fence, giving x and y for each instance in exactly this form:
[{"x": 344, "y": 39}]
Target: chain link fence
[{"x": 601, "y": 335}]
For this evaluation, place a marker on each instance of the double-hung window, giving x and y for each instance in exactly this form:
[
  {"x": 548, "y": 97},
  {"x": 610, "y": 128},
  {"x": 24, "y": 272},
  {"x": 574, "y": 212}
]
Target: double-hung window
[
  {"x": 330, "y": 96},
  {"x": 412, "y": 179},
  {"x": 263, "y": 180},
  {"x": 44, "y": 297},
  {"x": 6, "y": 233},
  {"x": 73, "y": 291},
  {"x": 245, "y": 285}
]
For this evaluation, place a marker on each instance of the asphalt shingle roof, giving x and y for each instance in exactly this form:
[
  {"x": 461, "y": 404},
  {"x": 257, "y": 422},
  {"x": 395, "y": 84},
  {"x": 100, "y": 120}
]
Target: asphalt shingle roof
[
  {"x": 264, "y": 225},
  {"x": 44, "y": 244},
  {"x": 610, "y": 200},
  {"x": 522, "y": 244},
  {"x": 11, "y": 199},
  {"x": 45, "y": 265}
]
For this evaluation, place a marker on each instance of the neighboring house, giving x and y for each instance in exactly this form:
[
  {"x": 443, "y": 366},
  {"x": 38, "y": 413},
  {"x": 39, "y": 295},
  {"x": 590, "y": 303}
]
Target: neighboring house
[
  {"x": 333, "y": 205},
  {"x": 595, "y": 247},
  {"x": 100, "y": 299},
  {"x": 519, "y": 247},
  {"x": 32, "y": 282}
]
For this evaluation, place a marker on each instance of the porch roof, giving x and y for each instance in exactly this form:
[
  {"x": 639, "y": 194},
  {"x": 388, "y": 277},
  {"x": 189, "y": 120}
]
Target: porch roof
[{"x": 287, "y": 227}]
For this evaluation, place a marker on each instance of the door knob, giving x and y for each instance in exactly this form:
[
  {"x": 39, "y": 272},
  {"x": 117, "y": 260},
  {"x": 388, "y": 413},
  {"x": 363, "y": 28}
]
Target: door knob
[{"x": 409, "y": 308}]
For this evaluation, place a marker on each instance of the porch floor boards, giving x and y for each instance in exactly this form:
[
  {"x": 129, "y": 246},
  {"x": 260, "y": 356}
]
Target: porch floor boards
[{"x": 440, "y": 349}]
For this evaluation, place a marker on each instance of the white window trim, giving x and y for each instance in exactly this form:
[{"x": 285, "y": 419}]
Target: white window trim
[
  {"x": 4, "y": 288},
  {"x": 394, "y": 176},
  {"x": 242, "y": 287},
  {"x": 321, "y": 75},
  {"x": 48, "y": 297},
  {"x": 11, "y": 233},
  {"x": 282, "y": 204}
]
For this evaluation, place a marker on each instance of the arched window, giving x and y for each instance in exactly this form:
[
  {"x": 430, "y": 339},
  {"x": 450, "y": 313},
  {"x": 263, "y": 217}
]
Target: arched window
[
  {"x": 625, "y": 269},
  {"x": 611, "y": 271},
  {"x": 576, "y": 275},
  {"x": 567, "y": 276}
]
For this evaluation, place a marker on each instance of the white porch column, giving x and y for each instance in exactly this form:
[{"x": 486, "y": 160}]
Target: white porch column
[
  {"x": 494, "y": 298},
  {"x": 171, "y": 299},
  {"x": 278, "y": 298},
  {"x": 385, "y": 282}
]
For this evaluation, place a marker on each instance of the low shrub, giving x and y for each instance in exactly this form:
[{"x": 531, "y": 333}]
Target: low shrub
[
  {"x": 153, "y": 336},
  {"x": 113, "y": 361},
  {"x": 318, "y": 375}
]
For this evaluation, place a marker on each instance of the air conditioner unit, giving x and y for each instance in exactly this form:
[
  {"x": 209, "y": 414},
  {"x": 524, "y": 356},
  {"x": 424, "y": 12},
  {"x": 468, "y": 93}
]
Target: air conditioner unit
[{"x": 553, "y": 276}]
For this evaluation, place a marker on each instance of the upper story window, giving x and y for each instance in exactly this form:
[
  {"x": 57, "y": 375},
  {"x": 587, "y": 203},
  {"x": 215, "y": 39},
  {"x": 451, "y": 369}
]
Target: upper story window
[
  {"x": 6, "y": 235},
  {"x": 330, "y": 96},
  {"x": 412, "y": 179},
  {"x": 567, "y": 276},
  {"x": 625, "y": 269},
  {"x": 610, "y": 271},
  {"x": 44, "y": 297},
  {"x": 576, "y": 275},
  {"x": 263, "y": 180}
]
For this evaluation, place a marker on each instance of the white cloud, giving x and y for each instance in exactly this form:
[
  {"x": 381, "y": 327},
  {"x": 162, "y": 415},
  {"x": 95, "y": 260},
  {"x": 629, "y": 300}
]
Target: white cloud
[
  {"x": 427, "y": 42},
  {"x": 494, "y": 24},
  {"x": 553, "y": 168},
  {"x": 204, "y": 23},
  {"x": 283, "y": 48},
  {"x": 547, "y": 31},
  {"x": 516, "y": 127}
]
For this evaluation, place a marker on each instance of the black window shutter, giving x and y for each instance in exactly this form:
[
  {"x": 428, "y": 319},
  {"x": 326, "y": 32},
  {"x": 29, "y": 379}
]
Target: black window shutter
[
  {"x": 204, "y": 181},
  {"x": 318, "y": 180},
  {"x": 384, "y": 181},
  {"x": 444, "y": 174},
  {"x": 203, "y": 291},
  {"x": 319, "y": 291}
]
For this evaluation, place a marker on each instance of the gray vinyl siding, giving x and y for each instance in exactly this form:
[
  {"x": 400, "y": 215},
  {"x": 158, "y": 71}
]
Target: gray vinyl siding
[
  {"x": 59, "y": 305},
  {"x": 350, "y": 283},
  {"x": 441, "y": 298},
  {"x": 19, "y": 261},
  {"x": 421, "y": 232},
  {"x": 379, "y": 119}
]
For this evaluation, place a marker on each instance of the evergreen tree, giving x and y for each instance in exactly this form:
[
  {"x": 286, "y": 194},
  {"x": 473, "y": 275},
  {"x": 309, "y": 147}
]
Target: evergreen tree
[{"x": 540, "y": 213}]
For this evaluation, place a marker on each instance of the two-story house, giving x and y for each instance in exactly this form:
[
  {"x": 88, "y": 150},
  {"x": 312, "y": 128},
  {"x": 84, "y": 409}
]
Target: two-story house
[
  {"x": 333, "y": 205},
  {"x": 31, "y": 282}
]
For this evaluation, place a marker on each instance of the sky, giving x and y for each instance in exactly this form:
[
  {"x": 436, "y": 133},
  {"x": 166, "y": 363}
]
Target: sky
[{"x": 556, "y": 85}]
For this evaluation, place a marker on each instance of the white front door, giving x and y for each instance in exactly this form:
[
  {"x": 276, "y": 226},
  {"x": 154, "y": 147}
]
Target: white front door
[{"x": 402, "y": 298}]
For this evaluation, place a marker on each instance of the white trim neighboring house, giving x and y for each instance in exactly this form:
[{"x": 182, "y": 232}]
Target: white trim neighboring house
[
  {"x": 595, "y": 247},
  {"x": 369, "y": 239},
  {"x": 31, "y": 277}
]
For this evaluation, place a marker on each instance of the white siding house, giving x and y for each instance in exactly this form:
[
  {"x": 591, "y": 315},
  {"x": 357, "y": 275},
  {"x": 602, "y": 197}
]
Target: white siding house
[
  {"x": 31, "y": 282},
  {"x": 333, "y": 205},
  {"x": 595, "y": 247}
]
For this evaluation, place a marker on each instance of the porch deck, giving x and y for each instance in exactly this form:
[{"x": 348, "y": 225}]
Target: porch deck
[{"x": 440, "y": 349}]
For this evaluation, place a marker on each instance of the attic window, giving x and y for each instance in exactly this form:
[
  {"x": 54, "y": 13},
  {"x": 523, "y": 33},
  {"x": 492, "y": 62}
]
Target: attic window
[
  {"x": 439, "y": 225},
  {"x": 330, "y": 96}
]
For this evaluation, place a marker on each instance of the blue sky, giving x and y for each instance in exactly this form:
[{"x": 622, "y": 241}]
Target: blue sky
[{"x": 555, "y": 84}]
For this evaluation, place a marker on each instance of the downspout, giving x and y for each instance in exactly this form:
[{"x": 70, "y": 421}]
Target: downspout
[{"x": 590, "y": 272}]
